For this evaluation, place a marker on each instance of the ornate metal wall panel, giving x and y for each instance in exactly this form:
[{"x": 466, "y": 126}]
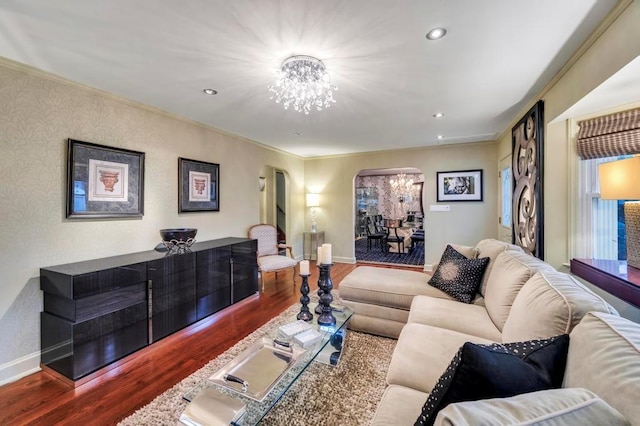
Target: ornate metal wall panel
[{"x": 527, "y": 144}]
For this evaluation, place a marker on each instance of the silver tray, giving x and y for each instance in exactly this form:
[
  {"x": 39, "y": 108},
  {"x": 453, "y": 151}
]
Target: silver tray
[{"x": 258, "y": 368}]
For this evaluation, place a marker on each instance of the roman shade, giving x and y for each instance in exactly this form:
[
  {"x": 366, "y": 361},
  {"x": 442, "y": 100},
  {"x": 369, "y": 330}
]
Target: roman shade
[{"x": 610, "y": 135}]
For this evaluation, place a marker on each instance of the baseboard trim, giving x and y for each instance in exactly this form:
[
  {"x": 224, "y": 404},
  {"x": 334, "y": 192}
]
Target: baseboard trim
[
  {"x": 350, "y": 260},
  {"x": 428, "y": 267},
  {"x": 19, "y": 368}
]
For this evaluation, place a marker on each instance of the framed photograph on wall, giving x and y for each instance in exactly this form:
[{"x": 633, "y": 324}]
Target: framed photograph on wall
[
  {"x": 199, "y": 186},
  {"x": 462, "y": 185},
  {"x": 103, "y": 181}
]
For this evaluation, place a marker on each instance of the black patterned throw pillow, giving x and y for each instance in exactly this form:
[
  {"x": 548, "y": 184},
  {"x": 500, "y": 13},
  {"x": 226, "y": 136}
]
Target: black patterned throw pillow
[
  {"x": 459, "y": 276},
  {"x": 497, "y": 371}
]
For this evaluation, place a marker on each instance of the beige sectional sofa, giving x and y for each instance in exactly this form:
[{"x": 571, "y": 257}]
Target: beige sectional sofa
[{"x": 521, "y": 298}]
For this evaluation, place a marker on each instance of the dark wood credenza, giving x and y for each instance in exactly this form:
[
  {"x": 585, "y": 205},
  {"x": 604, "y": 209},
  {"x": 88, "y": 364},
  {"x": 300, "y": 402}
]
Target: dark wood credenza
[{"x": 99, "y": 311}]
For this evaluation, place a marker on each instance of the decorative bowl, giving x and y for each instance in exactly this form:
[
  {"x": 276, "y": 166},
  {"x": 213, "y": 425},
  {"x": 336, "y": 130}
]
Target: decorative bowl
[{"x": 178, "y": 234}]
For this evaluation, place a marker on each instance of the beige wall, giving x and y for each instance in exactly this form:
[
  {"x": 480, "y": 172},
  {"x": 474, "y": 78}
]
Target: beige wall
[
  {"x": 37, "y": 115},
  {"x": 615, "y": 48},
  {"x": 466, "y": 223}
]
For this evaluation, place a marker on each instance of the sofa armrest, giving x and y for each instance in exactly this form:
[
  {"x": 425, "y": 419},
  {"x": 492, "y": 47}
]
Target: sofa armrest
[{"x": 575, "y": 406}]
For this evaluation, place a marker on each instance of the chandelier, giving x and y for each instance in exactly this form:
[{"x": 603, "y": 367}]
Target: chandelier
[
  {"x": 401, "y": 185},
  {"x": 304, "y": 83}
]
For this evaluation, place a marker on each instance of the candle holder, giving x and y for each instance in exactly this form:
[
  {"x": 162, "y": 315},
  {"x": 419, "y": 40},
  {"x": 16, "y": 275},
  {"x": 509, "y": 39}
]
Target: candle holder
[
  {"x": 318, "y": 309},
  {"x": 325, "y": 284},
  {"x": 305, "y": 314}
]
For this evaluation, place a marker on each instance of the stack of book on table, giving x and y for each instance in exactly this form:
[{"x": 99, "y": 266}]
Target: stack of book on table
[{"x": 301, "y": 333}]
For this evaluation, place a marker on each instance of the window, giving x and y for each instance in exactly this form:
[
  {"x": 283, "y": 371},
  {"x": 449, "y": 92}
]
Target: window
[
  {"x": 602, "y": 221},
  {"x": 506, "y": 197}
]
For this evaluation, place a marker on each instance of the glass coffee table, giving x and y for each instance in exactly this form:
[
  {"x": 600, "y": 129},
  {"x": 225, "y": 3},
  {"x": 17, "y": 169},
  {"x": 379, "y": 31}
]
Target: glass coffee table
[{"x": 327, "y": 350}]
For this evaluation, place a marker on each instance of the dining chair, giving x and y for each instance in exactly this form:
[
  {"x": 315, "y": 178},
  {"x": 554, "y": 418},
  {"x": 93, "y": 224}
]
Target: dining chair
[{"x": 378, "y": 237}]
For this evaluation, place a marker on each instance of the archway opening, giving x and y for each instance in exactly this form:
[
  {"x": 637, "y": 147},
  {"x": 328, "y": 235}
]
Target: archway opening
[
  {"x": 389, "y": 216},
  {"x": 275, "y": 201}
]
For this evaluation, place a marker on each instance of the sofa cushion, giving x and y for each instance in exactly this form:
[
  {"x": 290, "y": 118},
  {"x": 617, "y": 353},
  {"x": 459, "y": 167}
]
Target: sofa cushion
[
  {"x": 604, "y": 357},
  {"x": 398, "y": 406},
  {"x": 573, "y": 406},
  {"x": 378, "y": 320},
  {"x": 481, "y": 372},
  {"x": 467, "y": 251},
  {"x": 453, "y": 315},
  {"x": 458, "y": 276},
  {"x": 550, "y": 303},
  {"x": 509, "y": 273},
  {"x": 491, "y": 248},
  {"x": 422, "y": 353},
  {"x": 394, "y": 288}
]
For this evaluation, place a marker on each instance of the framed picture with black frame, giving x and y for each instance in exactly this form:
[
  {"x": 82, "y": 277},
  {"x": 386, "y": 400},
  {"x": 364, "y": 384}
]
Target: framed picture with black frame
[
  {"x": 461, "y": 185},
  {"x": 198, "y": 186},
  {"x": 104, "y": 182}
]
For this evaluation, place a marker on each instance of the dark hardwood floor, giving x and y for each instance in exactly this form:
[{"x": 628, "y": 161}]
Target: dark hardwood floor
[{"x": 129, "y": 384}]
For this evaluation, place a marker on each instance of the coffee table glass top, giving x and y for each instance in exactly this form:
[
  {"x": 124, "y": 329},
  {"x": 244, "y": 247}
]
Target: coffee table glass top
[{"x": 256, "y": 410}]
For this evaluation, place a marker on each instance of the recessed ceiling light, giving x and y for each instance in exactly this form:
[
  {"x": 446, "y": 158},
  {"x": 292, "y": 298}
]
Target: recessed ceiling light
[
  {"x": 436, "y": 33},
  {"x": 440, "y": 137},
  {"x": 438, "y": 115},
  {"x": 298, "y": 133},
  {"x": 210, "y": 92}
]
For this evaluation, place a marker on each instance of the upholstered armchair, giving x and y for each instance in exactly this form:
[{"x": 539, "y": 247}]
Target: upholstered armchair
[{"x": 269, "y": 259}]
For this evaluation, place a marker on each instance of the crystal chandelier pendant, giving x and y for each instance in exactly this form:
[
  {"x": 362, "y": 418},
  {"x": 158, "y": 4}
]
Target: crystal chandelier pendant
[
  {"x": 303, "y": 83},
  {"x": 403, "y": 189}
]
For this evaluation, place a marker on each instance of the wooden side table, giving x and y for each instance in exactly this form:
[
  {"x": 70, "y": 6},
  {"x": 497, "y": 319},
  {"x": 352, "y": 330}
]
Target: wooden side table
[{"x": 312, "y": 240}]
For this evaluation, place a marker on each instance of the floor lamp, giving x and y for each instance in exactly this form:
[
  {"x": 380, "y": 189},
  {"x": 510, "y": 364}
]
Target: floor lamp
[{"x": 620, "y": 180}]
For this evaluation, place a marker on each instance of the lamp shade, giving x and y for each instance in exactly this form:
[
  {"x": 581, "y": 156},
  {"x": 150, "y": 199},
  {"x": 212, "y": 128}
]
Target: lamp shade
[
  {"x": 620, "y": 180},
  {"x": 313, "y": 200}
]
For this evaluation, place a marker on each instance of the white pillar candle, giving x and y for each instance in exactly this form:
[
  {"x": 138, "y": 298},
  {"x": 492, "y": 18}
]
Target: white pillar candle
[
  {"x": 304, "y": 267},
  {"x": 326, "y": 254},
  {"x": 319, "y": 256}
]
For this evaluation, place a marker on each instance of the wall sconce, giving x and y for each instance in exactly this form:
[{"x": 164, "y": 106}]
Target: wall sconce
[
  {"x": 313, "y": 201},
  {"x": 619, "y": 181},
  {"x": 262, "y": 181}
]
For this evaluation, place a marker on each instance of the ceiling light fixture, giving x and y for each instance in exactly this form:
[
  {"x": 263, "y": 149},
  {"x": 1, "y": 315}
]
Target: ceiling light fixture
[
  {"x": 438, "y": 115},
  {"x": 440, "y": 137},
  {"x": 436, "y": 33},
  {"x": 210, "y": 92},
  {"x": 401, "y": 184},
  {"x": 304, "y": 83}
]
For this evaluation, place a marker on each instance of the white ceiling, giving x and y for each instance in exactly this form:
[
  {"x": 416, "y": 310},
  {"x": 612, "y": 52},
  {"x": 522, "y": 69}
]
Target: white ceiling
[{"x": 496, "y": 56}]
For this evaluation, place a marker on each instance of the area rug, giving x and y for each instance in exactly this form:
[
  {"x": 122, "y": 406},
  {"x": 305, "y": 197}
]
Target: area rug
[
  {"x": 376, "y": 255},
  {"x": 345, "y": 394}
]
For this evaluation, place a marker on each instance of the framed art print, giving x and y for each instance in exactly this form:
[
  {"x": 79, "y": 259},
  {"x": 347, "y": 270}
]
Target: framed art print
[
  {"x": 199, "y": 186},
  {"x": 103, "y": 181},
  {"x": 463, "y": 185}
]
